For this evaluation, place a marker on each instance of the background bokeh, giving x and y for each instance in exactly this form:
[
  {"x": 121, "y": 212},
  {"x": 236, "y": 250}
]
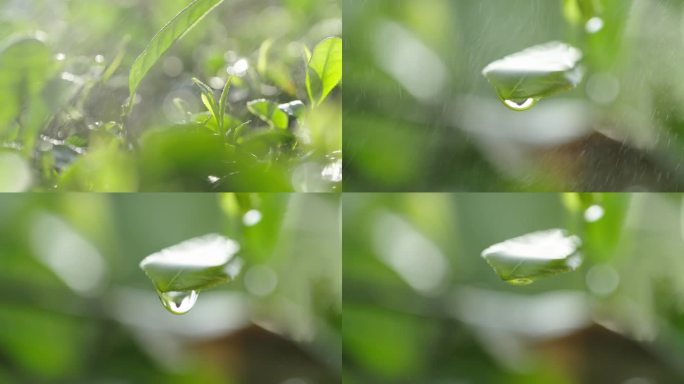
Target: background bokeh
[
  {"x": 422, "y": 306},
  {"x": 75, "y": 307},
  {"x": 61, "y": 119},
  {"x": 419, "y": 116}
]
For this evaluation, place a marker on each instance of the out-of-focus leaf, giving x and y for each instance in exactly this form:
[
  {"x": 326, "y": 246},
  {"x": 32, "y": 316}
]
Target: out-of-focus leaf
[
  {"x": 104, "y": 169},
  {"x": 181, "y": 157},
  {"x": 61, "y": 339},
  {"x": 599, "y": 218},
  {"x": 25, "y": 66},
  {"x": 162, "y": 41},
  {"x": 382, "y": 341},
  {"x": 118, "y": 58},
  {"x": 262, "y": 62},
  {"x": 325, "y": 69}
]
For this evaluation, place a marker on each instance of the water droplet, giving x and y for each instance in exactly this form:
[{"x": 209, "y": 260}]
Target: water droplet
[
  {"x": 172, "y": 66},
  {"x": 239, "y": 68},
  {"x": 217, "y": 82},
  {"x": 602, "y": 88},
  {"x": 178, "y": 302},
  {"x": 594, "y": 25},
  {"x": 251, "y": 218},
  {"x": 593, "y": 213},
  {"x": 521, "y": 105},
  {"x": 602, "y": 279},
  {"x": 523, "y": 259}
]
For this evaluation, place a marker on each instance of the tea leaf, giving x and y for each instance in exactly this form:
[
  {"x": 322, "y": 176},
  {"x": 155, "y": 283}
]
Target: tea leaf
[
  {"x": 324, "y": 70},
  {"x": 523, "y": 259},
  {"x": 534, "y": 73},
  {"x": 194, "y": 264},
  {"x": 162, "y": 41}
]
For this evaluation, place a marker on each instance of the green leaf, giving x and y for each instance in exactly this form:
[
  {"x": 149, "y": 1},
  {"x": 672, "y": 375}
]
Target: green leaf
[
  {"x": 324, "y": 71},
  {"x": 180, "y": 271},
  {"x": 194, "y": 264},
  {"x": 523, "y": 259},
  {"x": 222, "y": 104},
  {"x": 269, "y": 112},
  {"x": 524, "y": 77},
  {"x": 162, "y": 41},
  {"x": 208, "y": 99}
]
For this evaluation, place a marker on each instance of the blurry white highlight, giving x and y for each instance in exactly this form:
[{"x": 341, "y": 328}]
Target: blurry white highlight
[
  {"x": 593, "y": 213},
  {"x": 251, "y": 217},
  {"x": 239, "y": 68},
  {"x": 333, "y": 171},
  {"x": 72, "y": 258},
  {"x": 413, "y": 256},
  {"x": 602, "y": 88},
  {"x": 602, "y": 279},
  {"x": 16, "y": 173},
  {"x": 260, "y": 280},
  {"x": 594, "y": 25},
  {"x": 412, "y": 63}
]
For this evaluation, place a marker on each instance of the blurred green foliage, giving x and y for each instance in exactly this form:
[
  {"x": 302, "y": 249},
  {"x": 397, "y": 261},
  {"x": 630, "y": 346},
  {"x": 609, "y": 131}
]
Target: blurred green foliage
[
  {"x": 76, "y": 307},
  {"x": 68, "y": 69},
  {"x": 419, "y": 116},
  {"x": 421, "y": 305}
]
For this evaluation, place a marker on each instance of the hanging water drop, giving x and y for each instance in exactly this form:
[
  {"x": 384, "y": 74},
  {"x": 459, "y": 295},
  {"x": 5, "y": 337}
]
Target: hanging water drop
[
  {"x": 178, "y": 302},
  {"x": 520, "y": 105}
]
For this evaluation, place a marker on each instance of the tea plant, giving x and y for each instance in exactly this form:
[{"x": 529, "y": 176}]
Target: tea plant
[{"x": 273, "y": 126}]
